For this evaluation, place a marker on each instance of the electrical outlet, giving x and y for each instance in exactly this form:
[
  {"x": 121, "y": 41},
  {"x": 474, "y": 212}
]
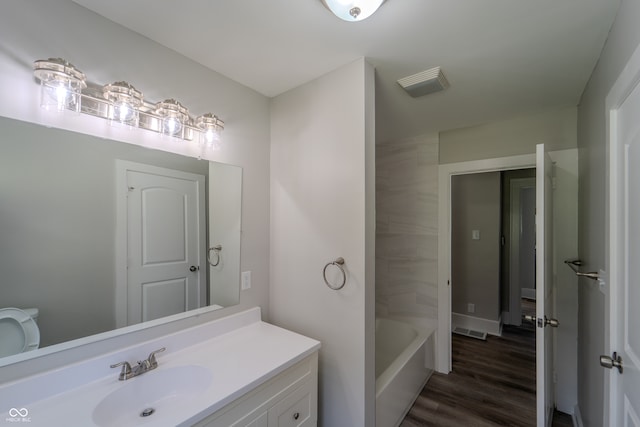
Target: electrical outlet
[
  {"x": 471, "y": 308},
  {"x": 245, "y": 280}
]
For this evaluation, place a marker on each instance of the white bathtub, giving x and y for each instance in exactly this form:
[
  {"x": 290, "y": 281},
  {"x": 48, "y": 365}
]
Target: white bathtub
[{"x": 404, "y": 363}]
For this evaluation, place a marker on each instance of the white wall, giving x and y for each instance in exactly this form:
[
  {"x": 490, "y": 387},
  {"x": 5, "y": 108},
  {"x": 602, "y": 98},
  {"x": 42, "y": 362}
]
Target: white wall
[
  {"x": 621, "y": 43},
  {"x": 322, "y": 207},
  {"x": 510, "y": 137},
  {"x": 106, "y": 52}
]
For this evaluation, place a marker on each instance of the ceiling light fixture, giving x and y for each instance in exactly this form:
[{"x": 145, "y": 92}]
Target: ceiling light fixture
[
  {"x": 353, "y": 10},
  {"x": 64, "y": 87}
]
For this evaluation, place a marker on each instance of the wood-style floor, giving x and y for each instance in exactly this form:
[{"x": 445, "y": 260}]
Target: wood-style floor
[{"x": 492, "y": 383}]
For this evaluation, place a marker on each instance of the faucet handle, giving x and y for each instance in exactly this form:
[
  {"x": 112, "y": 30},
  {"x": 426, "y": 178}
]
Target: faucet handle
[
  {"x": 152, "y": 357},
  {"x": 126, "y": 370}
]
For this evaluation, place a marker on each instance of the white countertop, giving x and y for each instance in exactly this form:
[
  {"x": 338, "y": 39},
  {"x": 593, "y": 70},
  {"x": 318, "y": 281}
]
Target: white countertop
[{"x": 240, "y": 351}]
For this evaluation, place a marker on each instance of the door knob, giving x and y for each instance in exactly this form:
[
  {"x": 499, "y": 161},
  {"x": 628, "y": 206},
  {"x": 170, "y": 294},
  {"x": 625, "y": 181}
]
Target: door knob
[
  {"x": 547, "y": 322},
  {"x": 551, "y": 322},
  {"x": 193, "y": 268},
  {"x": 615, "y": 361}
]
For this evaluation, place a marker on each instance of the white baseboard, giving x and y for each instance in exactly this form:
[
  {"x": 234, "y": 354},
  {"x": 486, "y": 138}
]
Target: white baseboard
[
  {"x": 492, "y": 327},
  {"x": 577, "y": 418}
]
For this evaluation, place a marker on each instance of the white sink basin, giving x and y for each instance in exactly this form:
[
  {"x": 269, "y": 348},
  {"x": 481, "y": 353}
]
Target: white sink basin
[{"x": 158, "y": 392}]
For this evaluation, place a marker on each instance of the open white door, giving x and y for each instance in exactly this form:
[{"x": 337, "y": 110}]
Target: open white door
[
  {"x": 544, "y": 287},
  {"x": 623, "y": 358}
]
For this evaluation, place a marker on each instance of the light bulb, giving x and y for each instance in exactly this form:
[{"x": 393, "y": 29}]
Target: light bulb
[
  {"x": 124, "y": 112},
  {"x": 62, "y": 95},
  {"x": 172, "y": 126},
  {"x": 211, "y": 135}
]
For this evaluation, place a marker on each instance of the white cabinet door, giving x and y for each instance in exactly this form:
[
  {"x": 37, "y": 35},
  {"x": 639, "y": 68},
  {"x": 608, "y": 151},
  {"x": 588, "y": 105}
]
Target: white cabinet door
[{"x": 261, "y": 421}]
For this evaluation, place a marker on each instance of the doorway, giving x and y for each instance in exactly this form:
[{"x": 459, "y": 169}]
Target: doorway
[
  {"x": 445, "y": 175},
  {"x": 492, "y": 250}
]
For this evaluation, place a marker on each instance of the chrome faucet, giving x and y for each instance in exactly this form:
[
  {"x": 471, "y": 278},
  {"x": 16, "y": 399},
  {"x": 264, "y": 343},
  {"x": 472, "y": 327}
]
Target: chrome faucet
[{"x": 143, "y": 366}]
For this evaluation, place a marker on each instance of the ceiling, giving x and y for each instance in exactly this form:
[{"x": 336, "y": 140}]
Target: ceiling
[{"x": 503, "y": 58}]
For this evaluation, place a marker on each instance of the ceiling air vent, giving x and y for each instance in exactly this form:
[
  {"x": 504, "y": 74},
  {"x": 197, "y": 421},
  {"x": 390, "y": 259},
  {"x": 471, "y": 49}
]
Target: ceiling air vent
[{"x": 425, "y": 82}]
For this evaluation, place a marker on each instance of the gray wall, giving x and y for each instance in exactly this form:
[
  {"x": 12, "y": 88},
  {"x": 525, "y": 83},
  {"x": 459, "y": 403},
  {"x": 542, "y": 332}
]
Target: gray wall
[
  {"x": 623, "y": 40},
  {"x": 475, "y": 264}
]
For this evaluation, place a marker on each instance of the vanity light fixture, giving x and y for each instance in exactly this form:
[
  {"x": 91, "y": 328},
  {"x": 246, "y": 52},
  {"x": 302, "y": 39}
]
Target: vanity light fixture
[
  {"x": 210, "y": 127},
  {"x": 173, "y": 115},
  {"x": 61, "y": 84},
  {"x": 125, "y": 102},
  {"x": 353, "y": 10},
  {"x": 64, "y": 87}
]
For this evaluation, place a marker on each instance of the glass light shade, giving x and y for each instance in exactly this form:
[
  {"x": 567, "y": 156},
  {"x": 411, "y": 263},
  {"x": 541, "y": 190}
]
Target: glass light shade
[
  {"x": 61, "y": 84},
  {"x": 210, "y": 127},
  {"x": 125, "y": 101},
  {"x": 173, "y": 115},
  {"x": 353, "y": 10}
]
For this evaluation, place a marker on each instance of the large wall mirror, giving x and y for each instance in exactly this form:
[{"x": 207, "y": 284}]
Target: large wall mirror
[{"x": 98, "y": 234}]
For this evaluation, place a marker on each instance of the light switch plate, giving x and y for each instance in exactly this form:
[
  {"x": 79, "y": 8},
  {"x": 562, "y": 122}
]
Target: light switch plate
[
  {"x": 245, "y": 280},
  {"x": 475, "y": 234}
]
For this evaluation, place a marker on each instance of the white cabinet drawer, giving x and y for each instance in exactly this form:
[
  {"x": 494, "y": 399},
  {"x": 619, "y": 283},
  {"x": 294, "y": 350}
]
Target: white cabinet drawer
[{"x": 295, "y": 410}]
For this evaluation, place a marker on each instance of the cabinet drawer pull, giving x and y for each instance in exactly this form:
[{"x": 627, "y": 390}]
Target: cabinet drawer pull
[{"x": 296, "y": 415}]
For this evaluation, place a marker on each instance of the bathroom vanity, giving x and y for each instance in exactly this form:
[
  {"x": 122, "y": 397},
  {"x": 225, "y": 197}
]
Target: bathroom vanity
[
  {"x": 234, "y": 371},
  {"x": 289, "y": 399}
]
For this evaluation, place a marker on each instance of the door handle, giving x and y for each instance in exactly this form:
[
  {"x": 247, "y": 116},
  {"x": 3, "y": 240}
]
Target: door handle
[
  {"x": 194, "y": 268},
  {"x": 615, "y": 361},
  {"x": 541, "y": 324}
]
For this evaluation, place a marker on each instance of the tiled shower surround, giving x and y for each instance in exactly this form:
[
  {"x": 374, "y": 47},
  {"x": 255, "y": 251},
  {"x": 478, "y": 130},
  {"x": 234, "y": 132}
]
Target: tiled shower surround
[{"x": 407, "y": 228}]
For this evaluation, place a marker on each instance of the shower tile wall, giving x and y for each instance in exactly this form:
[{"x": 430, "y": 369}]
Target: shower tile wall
[{"x": 407, "y": 227}]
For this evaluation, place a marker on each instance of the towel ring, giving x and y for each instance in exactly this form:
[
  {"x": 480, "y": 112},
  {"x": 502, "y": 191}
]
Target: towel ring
[
  {"x": 216, "y": 250},
  {"x": 339, "y": 262}
]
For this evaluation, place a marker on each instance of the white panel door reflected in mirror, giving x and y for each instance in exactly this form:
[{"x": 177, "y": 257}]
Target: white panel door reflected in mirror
[{"x": 58, "y": 227}]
